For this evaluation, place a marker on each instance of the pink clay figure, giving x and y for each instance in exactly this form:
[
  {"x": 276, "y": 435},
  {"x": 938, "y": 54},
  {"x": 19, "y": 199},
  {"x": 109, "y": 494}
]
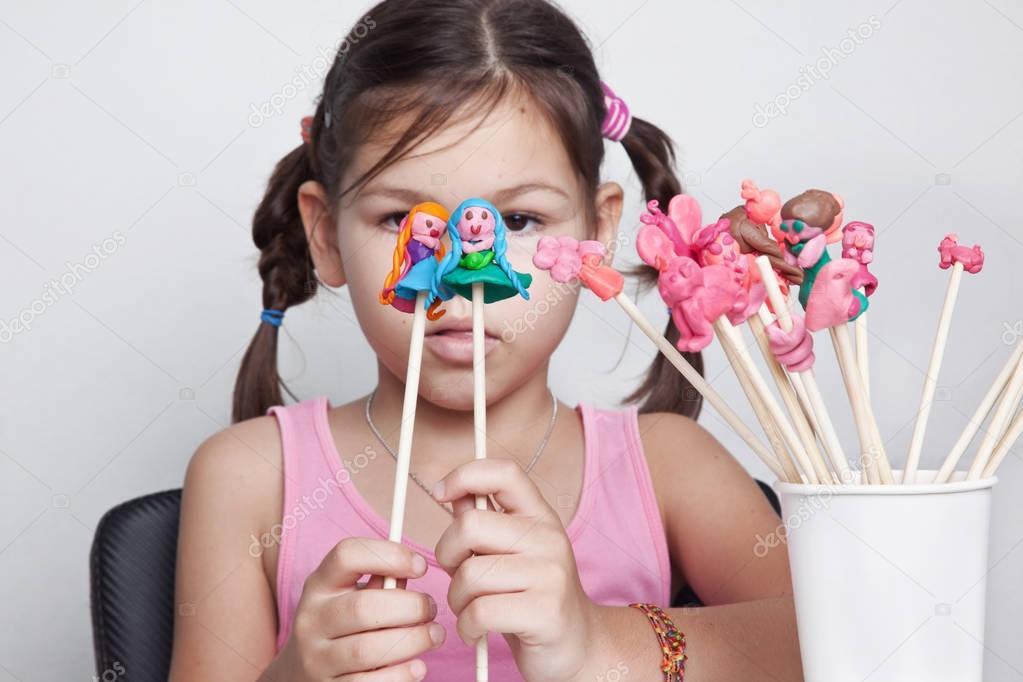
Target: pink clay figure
[
  {"x": 794, "y": 348},
  {"x": 951, "y": 252}
]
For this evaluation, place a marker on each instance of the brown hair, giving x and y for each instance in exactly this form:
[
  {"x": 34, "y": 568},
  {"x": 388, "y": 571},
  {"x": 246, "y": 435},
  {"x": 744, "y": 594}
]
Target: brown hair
[{"x": 429, "y": 59}]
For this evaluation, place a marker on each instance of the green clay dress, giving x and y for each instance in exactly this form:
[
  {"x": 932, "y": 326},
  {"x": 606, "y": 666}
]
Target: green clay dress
[
  {"x": 810, "y": 273},
  {"x": 480, "y": 267}
]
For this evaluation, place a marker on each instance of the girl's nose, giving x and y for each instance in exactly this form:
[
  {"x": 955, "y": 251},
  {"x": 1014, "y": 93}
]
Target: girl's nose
[
  {"x": 476, "y": 229},
  {"x": 434, "y": 233}
]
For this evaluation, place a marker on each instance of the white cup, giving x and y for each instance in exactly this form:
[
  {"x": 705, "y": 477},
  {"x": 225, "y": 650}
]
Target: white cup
[{"x": 889, "y": 581}]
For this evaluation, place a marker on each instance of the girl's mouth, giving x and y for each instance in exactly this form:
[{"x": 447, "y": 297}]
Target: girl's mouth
[{"x": 454, "y": 346}]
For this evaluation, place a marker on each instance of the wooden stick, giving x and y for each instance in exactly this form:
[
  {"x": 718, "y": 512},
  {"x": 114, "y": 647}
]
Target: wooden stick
[
  {"x": 999, "y": 421},
  {"x": 774, "y": 438},
  {"x": 829, "y": 436},
  {"x": 729, "y": 335},
  {"x": 871, "y": 473},
  {"x": 884, "y": 466},
  {"x": 479, "y": 417},
  {"x": 700, "y": 384},
  {"x": 931, "y": 378},
  {"x": 997, "y": 388},
  {"x": 862, "y": 354},
  {"x": 788, "y": 395},
  {"x": 871, "y": 445},
  {"x": 408, "y": 421},
  {"x": 1004, "y": 445}
]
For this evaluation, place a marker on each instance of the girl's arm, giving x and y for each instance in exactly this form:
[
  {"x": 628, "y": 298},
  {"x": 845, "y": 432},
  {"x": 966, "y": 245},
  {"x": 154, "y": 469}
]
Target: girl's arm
[
  {"x": 225, "y": 620},
  {"x": 719, "y": 527},
  {"x": 753, "y": 640},
  {"x": 716, "y": 518}
]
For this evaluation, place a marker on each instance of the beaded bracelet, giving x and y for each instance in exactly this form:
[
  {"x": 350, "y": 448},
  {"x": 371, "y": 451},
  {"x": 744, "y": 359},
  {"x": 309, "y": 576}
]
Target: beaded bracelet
[{"x": 671, "y": 639}]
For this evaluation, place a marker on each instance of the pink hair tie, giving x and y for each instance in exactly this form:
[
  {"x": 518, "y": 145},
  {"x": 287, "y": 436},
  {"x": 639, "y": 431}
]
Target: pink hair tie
[{"x": 618, "y": 119}]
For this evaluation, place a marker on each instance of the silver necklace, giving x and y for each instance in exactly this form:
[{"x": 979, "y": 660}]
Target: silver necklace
[{"x": 427, "y": 490}]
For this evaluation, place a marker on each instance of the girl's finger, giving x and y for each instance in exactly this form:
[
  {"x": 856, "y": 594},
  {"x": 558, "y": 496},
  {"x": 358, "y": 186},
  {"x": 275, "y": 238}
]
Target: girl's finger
[
  {"x": 504, "y": 613},
  {"x": 374, "y": 609},
  {"x": 502, "y": 478},
  {"x": 370, "y": 650},
  {"x": 488, "y": 532},
  {"x": 491, "y": 574},
  {"x": 355, "y": 557},
  {"x": 412, "y": 671}
]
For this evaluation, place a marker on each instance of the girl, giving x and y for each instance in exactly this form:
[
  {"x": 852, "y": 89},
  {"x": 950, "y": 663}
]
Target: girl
[{"x": 285, "y": 513}]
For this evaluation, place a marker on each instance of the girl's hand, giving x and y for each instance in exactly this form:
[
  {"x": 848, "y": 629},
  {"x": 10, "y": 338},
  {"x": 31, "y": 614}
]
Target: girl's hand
[
  {"x": 523, "y": 582},
  {"x": 345, "y": 632}
]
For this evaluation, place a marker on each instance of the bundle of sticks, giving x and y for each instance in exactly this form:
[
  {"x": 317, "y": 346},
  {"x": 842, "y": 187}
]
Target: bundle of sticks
[
  {"x": 741, "y": 270},
  {"x": 714, "y": 278}
]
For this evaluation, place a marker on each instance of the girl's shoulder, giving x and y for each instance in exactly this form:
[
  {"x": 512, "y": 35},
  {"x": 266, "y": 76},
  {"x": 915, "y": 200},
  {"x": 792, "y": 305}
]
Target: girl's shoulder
[
  {"x": 250, "y": 448},
  {"x": 239, "y": 469}
]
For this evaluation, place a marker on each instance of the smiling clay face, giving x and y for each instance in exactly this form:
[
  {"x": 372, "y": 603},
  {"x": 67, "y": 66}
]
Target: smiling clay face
[
  {"x": 426, "y": 229},
  {"x": 476, "y": 227}
]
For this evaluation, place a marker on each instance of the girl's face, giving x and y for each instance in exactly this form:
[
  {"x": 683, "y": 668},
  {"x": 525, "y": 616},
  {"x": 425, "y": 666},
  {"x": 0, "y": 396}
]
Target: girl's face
[
  {"x": 513, "y": 159},
  {"x": 476, "y": 229}
]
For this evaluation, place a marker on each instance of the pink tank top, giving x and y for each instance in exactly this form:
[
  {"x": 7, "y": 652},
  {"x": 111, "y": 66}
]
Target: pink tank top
[{"x": 616, "y": 532}]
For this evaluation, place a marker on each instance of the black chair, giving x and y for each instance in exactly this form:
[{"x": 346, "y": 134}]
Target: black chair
[{"x": 132, "y": 586}]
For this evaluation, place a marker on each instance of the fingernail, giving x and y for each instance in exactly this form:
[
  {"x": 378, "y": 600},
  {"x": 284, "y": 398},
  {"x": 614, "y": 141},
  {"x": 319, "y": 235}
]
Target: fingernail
[
  {"x": 437, "y": 633},
  {"x": 438, "y": 490},
  {"x": 418, "y": 669},
  {"x": 418, "y": 564},
  {"x": 433, "y": 607}
]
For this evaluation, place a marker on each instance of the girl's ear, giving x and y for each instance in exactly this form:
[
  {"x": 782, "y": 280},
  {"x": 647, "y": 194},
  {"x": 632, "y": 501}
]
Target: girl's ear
[
  {"x": 609, "y": 201},
  {"x": 321, "y": 233}
]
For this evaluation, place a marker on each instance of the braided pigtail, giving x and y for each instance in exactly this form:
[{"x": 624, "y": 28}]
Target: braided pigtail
[{"x": 286, "y": 269}]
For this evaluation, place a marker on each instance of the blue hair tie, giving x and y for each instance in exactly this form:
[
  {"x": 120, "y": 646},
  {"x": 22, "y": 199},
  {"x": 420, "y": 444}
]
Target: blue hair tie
[{"x": 272, "y": 317}]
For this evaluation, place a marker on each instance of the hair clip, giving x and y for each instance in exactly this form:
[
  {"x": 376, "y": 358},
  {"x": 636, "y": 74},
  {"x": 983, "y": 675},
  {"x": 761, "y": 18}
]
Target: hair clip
[
  {"x": 307, "y": 129},
  {"x": 272, "y": 317},
  {"x": 618, "y": 120}
]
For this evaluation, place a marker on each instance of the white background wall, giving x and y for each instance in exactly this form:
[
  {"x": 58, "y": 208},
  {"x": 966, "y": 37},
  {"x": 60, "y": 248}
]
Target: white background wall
[{"x": 126, "y": 130}]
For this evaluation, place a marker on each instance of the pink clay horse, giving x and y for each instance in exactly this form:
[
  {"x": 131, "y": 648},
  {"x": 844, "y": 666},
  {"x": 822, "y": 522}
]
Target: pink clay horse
[{"x": 952, "y": 253}]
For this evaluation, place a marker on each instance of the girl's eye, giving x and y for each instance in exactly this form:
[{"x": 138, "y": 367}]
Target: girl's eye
[
  {"x": 520, "y": 222},
  {"x": 392, "y": 221}
]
